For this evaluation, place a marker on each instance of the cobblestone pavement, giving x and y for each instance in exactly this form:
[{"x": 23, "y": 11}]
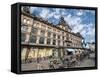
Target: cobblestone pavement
[
  {"x": 35, "y": 66},
  {"x": 86, "y": 62}
]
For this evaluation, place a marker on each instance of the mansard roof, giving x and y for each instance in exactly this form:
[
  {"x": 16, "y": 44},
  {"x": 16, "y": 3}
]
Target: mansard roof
[
  {"x": 78, "y": 34},
  {"x": 51, "y": 24},
  {"x": 63, "y": 22}
]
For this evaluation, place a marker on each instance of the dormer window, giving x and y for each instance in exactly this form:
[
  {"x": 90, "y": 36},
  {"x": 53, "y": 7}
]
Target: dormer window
[
  {"x": 24, "y": 20},
  {"x": 28, "y": 21},
  {"x": 26, "y": 9},
  {"x": 35, "y": 24}
]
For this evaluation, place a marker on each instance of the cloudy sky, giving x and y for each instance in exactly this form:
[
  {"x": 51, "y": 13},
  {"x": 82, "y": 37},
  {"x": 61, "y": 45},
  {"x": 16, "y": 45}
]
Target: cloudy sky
[{"x": 82, "y": 21}]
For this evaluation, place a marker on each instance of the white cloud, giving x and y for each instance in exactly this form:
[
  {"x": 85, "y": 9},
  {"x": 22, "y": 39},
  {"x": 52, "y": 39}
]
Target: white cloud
[
  {"x": 50, "y": 15},
  {"x": 44, "y": 13},
  {"x": 75, "y": 22},
  {"x": 80, "y": 13},
  {"x": 91, "y": 31},
  {"x": 63, "y": 13},
  {"x": 32, "y": 9},
  {"x": 78, "y": 28},
  {"x": 57, "y": 10},
  {"x": 87, "y": 30},
  {"x": 55, "y": 14},
  {"x": 90, "y": 11},
  {"x": 72, "y": 20}
]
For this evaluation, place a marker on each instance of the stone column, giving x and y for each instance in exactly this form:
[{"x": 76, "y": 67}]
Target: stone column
[
  {"x": 38, "y": 36},
  {"x": 45, "y": 39},
  {"x": 28, "y": 33},
  {"x": 27, "y": 53},
  {"x": 37, "y": 41}
]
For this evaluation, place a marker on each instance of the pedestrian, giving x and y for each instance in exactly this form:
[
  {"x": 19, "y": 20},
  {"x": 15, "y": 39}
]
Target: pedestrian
[{"x": 51, "y": 65}]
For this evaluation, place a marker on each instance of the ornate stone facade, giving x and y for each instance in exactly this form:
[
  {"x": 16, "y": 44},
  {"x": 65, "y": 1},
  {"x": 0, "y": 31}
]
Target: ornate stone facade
[{"x": 40, "y": 38}]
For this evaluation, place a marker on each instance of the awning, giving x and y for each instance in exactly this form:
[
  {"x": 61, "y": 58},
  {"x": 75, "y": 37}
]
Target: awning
[{"x": 71, "y": 50}]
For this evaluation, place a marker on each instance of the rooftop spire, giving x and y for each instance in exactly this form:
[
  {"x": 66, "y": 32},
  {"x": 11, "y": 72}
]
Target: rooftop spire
[
  {"x": 62, "y": 21},
  {"x": 26, "y": 9}
]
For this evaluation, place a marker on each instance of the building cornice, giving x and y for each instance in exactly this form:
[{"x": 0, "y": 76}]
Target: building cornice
[{"x": 48, "y": 23}]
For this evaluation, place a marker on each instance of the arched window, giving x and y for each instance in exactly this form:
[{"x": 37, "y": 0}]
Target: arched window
[
  {"x": 54, "y": 42},
  {"x": 48, "y": 41},
  {"x": 49, "y": 34},
  {"x": 33, "y": 39},
  {"x": 34, "y": 30},
  {"x": 41, "y": 40},
  {"x": 23, "y": 37}
]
